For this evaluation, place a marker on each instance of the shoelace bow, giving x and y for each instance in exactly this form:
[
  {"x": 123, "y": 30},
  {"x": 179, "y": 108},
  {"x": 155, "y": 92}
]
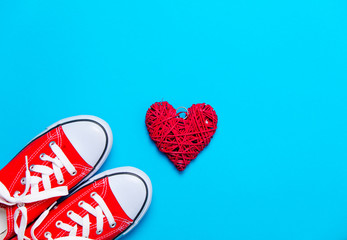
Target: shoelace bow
[
  {"x": 32, "y": 184},
  {"x": 98, "y": 212}
]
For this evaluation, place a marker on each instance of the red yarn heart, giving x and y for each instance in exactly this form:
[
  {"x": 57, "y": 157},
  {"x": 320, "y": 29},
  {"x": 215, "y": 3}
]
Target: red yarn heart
[{"x": 181, "y": 139}]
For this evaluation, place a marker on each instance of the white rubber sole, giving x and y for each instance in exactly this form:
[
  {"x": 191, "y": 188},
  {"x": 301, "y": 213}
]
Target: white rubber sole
[
  {"x": 104, "y": 126},
  {"x": 130, "y": 170}
]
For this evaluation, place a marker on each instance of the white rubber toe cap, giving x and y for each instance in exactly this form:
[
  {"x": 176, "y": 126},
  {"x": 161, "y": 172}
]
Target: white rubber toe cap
[
  {"x": 90, "y": 137},
  {"x": 131, "y": 191}
]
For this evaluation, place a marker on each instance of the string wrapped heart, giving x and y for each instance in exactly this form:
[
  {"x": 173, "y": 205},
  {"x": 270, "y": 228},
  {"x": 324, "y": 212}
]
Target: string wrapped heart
[{"x": 181, "y": 139}]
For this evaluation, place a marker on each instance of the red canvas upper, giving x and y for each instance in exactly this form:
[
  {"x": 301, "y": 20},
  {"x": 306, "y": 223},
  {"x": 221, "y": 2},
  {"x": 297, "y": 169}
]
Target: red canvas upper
[
  {"x": 59, "y": 213},
  {"x": 14, "y": 171}
]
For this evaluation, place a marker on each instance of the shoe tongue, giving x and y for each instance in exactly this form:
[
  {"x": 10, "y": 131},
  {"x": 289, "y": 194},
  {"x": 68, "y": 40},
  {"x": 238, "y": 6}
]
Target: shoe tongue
[{"x": 3, "y": 223}]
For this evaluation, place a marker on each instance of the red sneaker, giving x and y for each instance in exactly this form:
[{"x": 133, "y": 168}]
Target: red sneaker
[
  {"x": 68, "y": 152},
  {"x": 106, "y": 207}
]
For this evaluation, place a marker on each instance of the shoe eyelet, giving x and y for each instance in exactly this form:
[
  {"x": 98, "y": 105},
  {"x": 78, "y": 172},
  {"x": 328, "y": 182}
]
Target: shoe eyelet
[
  {"x": 22, "y": 181},
  {"x": 52, "y": 143},
  {"x": 20, "y": 205},
  {"x": 113, "y": 225},
  {"x": 42, "y": 155},
  {"x": 31, "y": 168},
  {"x": 48, "y": 234},
  {"x": 98, "y": 232},
  {"x": 93, "y": 194},
  {"x": 58, "y": 224},
  {"x": 74, "y": 173},
  {"x": 60, "y": 182},
  {"x": 69, "y": 213},
  {"x": 81, "y": 203}
]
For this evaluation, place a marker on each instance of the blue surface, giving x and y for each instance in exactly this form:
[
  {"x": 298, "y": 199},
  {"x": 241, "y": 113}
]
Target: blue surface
[{"x": 275, "y": 71}]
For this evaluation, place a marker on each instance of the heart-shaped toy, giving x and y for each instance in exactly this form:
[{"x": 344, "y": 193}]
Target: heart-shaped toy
[{"x": 181, "y": 139}]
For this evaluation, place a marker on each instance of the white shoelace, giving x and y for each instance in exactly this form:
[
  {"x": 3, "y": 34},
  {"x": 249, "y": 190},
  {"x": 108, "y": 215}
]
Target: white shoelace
[
  {"x": 32, "y": 184},
  {"x": 99, "y": 212}
]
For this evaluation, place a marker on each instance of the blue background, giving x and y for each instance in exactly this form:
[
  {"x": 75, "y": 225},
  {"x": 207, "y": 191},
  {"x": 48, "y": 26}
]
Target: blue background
[{"x": 275, "y": 72}]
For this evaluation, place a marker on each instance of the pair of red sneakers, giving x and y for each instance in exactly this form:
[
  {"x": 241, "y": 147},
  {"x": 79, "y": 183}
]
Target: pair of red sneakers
[{"x": 47, "y": 192}]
